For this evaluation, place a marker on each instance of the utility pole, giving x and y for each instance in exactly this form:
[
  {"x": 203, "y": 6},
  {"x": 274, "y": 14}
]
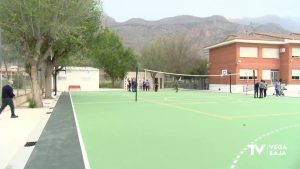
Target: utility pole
[{"x": 136, "y": 82}]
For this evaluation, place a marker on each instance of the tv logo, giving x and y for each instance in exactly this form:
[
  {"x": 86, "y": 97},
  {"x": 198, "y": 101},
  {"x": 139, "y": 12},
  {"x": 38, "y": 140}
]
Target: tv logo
[
  {"x": 269, "y": 150},
  {"x": 256, "y": 149}
]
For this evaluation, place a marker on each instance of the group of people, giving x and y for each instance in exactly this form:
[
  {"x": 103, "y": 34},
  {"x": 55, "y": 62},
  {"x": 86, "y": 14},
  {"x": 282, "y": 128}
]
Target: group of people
[
  {"x": 260, "y": 87},
  {"x": 132, "y": 85},
  {"x": 278, "y": 89}
]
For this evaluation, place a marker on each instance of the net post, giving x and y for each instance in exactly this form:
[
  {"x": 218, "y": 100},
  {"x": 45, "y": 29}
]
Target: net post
[
  {"x": 230, "y": 81},
  {"x": 254, "y": 81},
  {"x": 136, "y": 79}
]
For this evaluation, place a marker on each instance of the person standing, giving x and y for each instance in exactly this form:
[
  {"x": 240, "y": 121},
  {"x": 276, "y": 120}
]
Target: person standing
[
  {"x": 176, "y": 85},
  {"x": 265, "y": 89},
  {"x": 256, "y": 89},
  {"x": 7, "y": 99},
  {"x": 261, "y": 88},
  {"x": 278, "y": 87},
  {"x": 155, "y": 85},
  {"x": 144, "y": 85},
  {"x": 128, "y": 85},
  {"x": 133, "y": 85},
  {"x": 147, "y": 84}
]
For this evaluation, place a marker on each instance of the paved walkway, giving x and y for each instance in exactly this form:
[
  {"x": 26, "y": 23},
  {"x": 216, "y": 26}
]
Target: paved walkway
[
  {"x": 58, "y": 146},
  {"x": 14, "y": 133}
]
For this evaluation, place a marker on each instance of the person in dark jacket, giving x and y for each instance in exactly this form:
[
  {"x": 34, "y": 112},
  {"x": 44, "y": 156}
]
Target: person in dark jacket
[
  {"x": 155, "y": 85},
  {"x": 256, "y": 89},
  {"x": 7, "y": 99}
]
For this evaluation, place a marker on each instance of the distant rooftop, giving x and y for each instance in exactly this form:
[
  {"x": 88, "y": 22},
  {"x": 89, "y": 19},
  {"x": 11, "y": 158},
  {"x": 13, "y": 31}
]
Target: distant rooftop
[
  {"x": 261, "y": 38},
  {"x": 265, "y": 36}
]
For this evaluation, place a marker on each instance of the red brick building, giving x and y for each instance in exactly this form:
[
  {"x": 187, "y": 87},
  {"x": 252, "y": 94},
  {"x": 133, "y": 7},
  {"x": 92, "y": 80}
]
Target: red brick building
[{"x": 271, "y": 56}]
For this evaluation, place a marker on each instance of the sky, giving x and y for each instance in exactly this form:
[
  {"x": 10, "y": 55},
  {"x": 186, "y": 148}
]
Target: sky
[{"x": 122, "y": 10}]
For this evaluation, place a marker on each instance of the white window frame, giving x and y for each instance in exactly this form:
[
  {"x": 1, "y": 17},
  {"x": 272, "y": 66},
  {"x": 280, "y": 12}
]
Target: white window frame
[
  {"x": 295, "y": 52},
  {"x": 248, "y": 52},
  {"x": 246, "y": 74},
  {"x": 295, "y": 74},
  {"x": 272, "y": 53}
]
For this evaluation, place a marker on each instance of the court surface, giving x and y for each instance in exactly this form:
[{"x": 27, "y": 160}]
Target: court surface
[{"x": 188, "y": 130}]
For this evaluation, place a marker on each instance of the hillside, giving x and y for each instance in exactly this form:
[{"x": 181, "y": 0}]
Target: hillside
[
  {"x": 289, "y": 23},
  {"x": 136, "y": 33}
]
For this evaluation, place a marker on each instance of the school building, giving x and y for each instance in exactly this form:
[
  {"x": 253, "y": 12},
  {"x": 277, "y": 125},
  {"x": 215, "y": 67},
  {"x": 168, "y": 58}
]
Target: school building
[{"x": 270, "y": 56}]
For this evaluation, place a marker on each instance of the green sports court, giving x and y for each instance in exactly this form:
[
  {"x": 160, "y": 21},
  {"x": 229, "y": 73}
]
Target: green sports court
[{"x": 168, "y": 130}]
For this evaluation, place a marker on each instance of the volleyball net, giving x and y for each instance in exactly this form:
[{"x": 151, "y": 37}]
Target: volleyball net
[{"x": 188, "y": 81}]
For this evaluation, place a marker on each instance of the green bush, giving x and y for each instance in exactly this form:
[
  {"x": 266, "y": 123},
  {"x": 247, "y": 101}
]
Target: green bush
[
  {"x": 32, "y": 103},
  {"x": 108, "y": 84}
]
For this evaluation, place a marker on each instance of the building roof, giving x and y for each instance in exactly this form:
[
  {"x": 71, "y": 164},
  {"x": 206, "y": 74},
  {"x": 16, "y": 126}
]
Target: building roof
[{"x": 260, "y": 38}]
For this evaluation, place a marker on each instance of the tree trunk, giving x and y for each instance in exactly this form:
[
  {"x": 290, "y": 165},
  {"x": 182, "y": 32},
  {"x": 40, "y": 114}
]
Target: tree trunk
[
  {"x": 36, "y": 91},
  {"x": 33, "y": 61},
  {"x": 153, "y": 75},
  {"x": 48, "y": 80},
  {"x": 113, "y": 81}
]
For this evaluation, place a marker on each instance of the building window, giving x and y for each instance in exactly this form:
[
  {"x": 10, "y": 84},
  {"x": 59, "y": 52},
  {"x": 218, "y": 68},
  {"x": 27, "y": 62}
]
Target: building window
[
  {"x": 296, "y": 74},
  {"x": 270, "y": 53},
  {"x": 296, "y": 52},
  {"x": 246, "y": 74},
  {"x": 274, "y": 75},
  {"x": 266, "y": 74},
  {"x": 249, "y": 52}
]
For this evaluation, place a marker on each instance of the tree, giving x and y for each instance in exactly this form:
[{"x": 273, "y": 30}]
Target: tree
[
  {"x": 112, "y": 56},
  {"x": 153, "y": 57},
  {"x": 170, "y": 54},
  {"x": 71, "y": 50},
  {"x": 201, "y": 67},
  {"x": 9, "y": 54},
  {"x": 38, "y": 24}
]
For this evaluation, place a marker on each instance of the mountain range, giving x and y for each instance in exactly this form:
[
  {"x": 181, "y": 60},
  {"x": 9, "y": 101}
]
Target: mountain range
[
  {"x": 202, "y": 31},
  {"x": 291, "y": 24}
]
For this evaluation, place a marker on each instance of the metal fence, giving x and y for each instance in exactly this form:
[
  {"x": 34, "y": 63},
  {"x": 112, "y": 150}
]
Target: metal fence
[
  {"x": 196, "y": 83},
  {"x": 21, "y": 81}
]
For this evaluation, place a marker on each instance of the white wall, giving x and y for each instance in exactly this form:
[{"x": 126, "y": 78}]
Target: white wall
[
  {"x": 86, "y": 77},
  {"x": 226, "y": 88},
  {"x": 292, "y": 90}
]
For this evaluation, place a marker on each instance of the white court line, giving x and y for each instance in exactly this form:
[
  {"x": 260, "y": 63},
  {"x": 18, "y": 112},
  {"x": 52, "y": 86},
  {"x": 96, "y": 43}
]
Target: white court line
[
  {"x": 106, "y": 102},
  {"x": 83, "y": 150}
]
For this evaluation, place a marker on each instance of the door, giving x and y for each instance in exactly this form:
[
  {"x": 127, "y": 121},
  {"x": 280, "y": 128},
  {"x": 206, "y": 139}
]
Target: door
[{"x": 274, "y": 75}]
